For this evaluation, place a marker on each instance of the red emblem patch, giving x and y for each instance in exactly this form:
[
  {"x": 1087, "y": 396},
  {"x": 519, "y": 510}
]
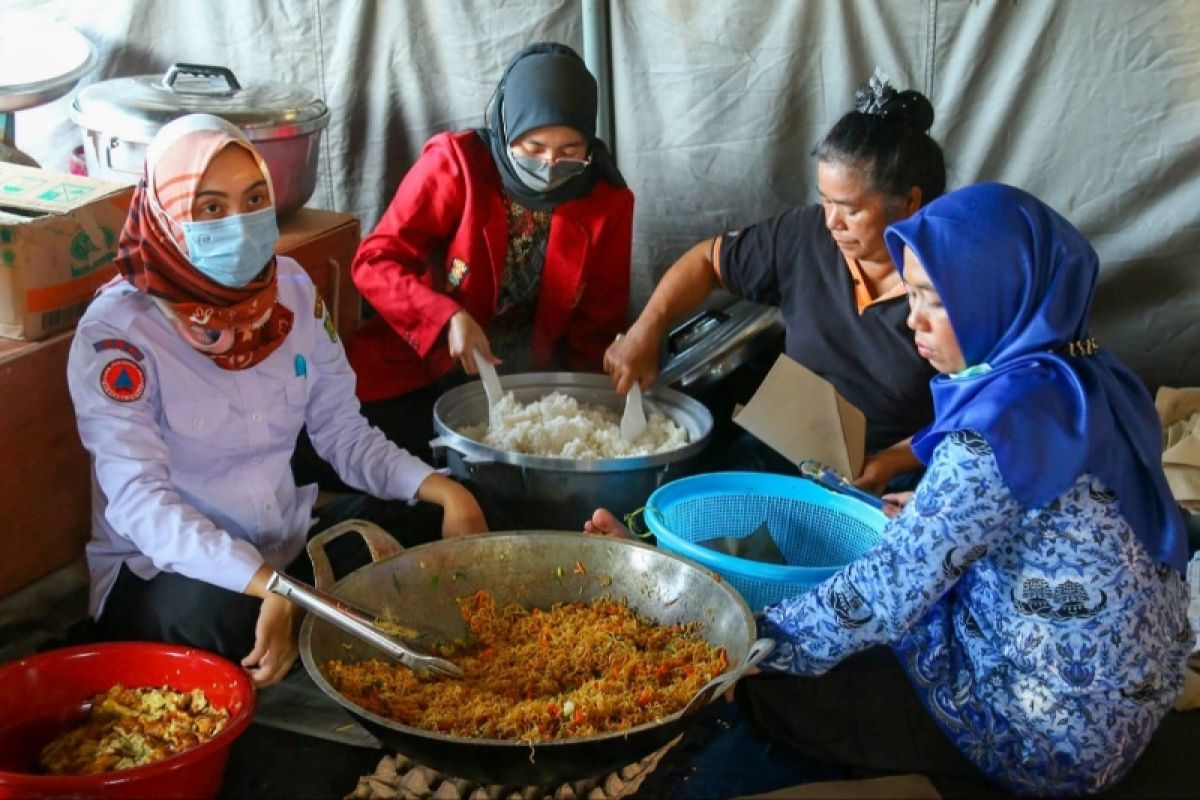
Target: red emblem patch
[{"x": 123, "y": 380}]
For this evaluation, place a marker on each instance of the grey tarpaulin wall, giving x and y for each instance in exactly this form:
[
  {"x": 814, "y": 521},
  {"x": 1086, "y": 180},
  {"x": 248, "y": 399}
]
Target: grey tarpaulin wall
[{"x": 1094, "y": 105}]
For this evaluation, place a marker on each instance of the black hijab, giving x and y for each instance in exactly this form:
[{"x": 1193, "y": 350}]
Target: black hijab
[{"x": 546, "y": 84}]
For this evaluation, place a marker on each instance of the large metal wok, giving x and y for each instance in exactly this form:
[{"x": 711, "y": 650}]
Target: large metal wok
[{"x": 420, "y": 586}]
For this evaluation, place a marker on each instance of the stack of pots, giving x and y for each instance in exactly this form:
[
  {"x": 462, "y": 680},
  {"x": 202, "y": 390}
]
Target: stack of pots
[{"x": 120, "y": 117}]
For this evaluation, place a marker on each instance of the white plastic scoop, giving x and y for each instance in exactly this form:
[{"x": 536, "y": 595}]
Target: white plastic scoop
[
  {"x": 633, "y": 421},
  {"x": 491, "y": 381}
]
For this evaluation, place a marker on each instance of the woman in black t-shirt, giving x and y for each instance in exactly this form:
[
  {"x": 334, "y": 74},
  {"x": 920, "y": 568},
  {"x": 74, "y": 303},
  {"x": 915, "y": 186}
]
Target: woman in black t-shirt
[{"x": 827, "y": 268}]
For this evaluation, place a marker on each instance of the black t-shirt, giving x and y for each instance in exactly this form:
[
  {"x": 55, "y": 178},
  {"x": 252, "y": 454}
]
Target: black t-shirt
[{"x": 791, "y": 261}]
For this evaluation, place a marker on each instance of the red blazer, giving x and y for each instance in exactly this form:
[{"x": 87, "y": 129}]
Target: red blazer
[{"x": 440, "y": 246}]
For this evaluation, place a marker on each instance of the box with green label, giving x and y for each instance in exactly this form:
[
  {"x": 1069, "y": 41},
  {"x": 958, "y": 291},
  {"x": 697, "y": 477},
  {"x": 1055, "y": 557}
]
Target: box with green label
[{"x": 58, "y": 239}]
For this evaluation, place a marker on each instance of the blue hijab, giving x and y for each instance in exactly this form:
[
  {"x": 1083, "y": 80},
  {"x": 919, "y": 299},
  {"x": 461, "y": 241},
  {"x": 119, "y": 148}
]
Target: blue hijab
[{"x": 1016, "y": 280}]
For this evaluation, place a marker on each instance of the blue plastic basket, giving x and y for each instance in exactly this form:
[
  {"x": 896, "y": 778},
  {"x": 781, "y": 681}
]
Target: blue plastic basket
[{"x": 817, "y": 530}]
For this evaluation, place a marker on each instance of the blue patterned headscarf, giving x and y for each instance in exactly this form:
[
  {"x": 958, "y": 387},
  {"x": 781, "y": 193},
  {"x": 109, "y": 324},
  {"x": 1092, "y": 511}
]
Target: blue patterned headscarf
[{"x": 1016, "y": 280}]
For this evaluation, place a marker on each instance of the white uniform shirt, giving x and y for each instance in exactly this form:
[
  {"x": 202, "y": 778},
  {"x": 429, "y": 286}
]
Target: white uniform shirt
[{"x": 191, "y": 463}]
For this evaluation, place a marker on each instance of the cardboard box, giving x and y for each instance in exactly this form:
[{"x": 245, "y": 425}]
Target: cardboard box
[
  {"x": 822, "y": 425},
  {"x": 324, "y": 243},
  {"x": 1179, "y": 412},
  {"x": 45, "y": 486},
  {"x": 58, "y": 238}
]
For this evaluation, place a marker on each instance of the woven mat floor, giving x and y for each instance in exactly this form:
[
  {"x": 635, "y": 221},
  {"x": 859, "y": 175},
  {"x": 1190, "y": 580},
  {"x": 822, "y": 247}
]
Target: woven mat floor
[{"x": 398, "y": 777}]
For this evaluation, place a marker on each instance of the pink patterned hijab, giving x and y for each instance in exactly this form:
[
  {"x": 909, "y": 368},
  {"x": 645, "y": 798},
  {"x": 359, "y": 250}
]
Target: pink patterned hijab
[{"x": 235, "y": 327}]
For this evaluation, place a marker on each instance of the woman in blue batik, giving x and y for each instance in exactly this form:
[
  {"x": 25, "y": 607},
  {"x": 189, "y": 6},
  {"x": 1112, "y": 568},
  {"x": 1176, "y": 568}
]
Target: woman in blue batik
[{"x": 1031, "y": 588}]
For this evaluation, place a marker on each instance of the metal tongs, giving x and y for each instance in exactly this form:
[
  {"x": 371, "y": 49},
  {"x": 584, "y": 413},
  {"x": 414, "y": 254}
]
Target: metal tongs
[
  {"x": 361, "y": 624},
  {"x": 830, "y": 479}
]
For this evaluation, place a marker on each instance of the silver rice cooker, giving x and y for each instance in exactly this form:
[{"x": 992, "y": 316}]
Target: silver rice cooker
[
  {"x": 718, "y": 339},
  {"x": 120, "y": 117}
]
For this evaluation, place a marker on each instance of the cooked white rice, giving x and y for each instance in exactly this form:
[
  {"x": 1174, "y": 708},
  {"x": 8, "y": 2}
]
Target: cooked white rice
[{"x": 560, "y": 426}]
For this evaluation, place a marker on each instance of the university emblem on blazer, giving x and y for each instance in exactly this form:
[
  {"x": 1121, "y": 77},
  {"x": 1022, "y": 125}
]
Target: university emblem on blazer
[
  {"x": 123, "y": 380},
  {"x": 457, "y": 274}
]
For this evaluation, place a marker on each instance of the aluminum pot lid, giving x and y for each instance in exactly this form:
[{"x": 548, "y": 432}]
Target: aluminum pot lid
[
  {"x": 134, "y": 108},
  {"x": 717, "y": 340}
]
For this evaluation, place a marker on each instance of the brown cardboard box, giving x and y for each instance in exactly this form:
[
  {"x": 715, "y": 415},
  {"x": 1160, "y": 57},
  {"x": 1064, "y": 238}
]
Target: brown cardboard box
[
  {"x": 801, "y": 416},
  {"x": 324, "y": 243},
  {"x": 1179, "y": 412},
  {"x": 45, "y": 484},
  {"x": 58, "y": 238}
]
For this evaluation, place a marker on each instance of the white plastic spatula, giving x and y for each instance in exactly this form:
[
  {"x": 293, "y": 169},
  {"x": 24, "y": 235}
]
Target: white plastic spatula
[
  {"x": 633, "y": 421},
  {"x": 491, "y": 381}
]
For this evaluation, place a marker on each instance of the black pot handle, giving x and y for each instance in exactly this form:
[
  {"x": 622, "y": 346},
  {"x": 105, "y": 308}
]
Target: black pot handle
[{"x": 203, "y": 71}]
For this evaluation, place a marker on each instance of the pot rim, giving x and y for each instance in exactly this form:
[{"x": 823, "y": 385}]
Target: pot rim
[{"x": 664, "y": 398}]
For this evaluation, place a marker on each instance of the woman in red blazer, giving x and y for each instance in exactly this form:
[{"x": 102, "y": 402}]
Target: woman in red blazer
[{"x": 513, "y": 239}]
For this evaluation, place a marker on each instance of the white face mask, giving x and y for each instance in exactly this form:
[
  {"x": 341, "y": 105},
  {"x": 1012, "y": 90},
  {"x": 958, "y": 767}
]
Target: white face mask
[
  {"x": 234, "y": 249},
  {"x": 540, "y": 175}
]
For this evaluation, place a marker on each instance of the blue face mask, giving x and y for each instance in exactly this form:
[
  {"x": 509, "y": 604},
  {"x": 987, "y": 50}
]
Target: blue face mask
[{"x": 232, "y": 250}]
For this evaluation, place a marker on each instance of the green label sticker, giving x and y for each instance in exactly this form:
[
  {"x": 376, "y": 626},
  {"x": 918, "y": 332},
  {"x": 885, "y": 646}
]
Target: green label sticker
[
  {"x": 65, "y": 193},
  {"x": 88, "y": 255},
  {"x": 20, "y": 184}
]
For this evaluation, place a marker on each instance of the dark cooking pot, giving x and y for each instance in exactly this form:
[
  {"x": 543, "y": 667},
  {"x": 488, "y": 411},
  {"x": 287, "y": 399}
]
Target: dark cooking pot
[
  {"x": 120, "y": 117},
  {"x": 420, "y": 587}
]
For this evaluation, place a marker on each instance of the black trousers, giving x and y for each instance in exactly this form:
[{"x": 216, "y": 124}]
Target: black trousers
[
  {"x": 863, "y": 713},
  {"x": 176, "y": 609}
]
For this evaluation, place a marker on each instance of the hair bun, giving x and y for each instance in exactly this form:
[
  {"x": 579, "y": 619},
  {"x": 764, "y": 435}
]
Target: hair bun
[
  {"x": 910, "y": 107},
  {"x": 878, "y": 98}
]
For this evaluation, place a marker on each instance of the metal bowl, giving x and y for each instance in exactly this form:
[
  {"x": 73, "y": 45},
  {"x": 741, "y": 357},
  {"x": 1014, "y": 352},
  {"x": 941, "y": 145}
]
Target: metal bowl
[
  {"x": 517, "y": 490},
  {"x": 40, "y": 59},
  {"x": 420, "y": 588}
]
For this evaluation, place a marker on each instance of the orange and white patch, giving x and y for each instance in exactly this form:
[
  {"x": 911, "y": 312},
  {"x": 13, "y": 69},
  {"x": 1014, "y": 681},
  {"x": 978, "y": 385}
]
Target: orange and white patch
[{"x": 123, "y": 380}]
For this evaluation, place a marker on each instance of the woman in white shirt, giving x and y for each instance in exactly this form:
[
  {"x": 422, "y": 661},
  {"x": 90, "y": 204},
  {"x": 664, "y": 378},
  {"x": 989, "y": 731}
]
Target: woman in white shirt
[{"x": 191, "y": 375}]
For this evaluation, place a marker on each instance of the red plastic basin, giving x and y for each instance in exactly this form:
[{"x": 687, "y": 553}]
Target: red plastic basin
[{"x": 45, "y": 694}]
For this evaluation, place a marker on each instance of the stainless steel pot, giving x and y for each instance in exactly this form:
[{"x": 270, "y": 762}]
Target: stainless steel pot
[
  {"x": 525, "y": 491},
  {"x": 119, "y": 117},
  {"x": 419, "y": 588}
]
